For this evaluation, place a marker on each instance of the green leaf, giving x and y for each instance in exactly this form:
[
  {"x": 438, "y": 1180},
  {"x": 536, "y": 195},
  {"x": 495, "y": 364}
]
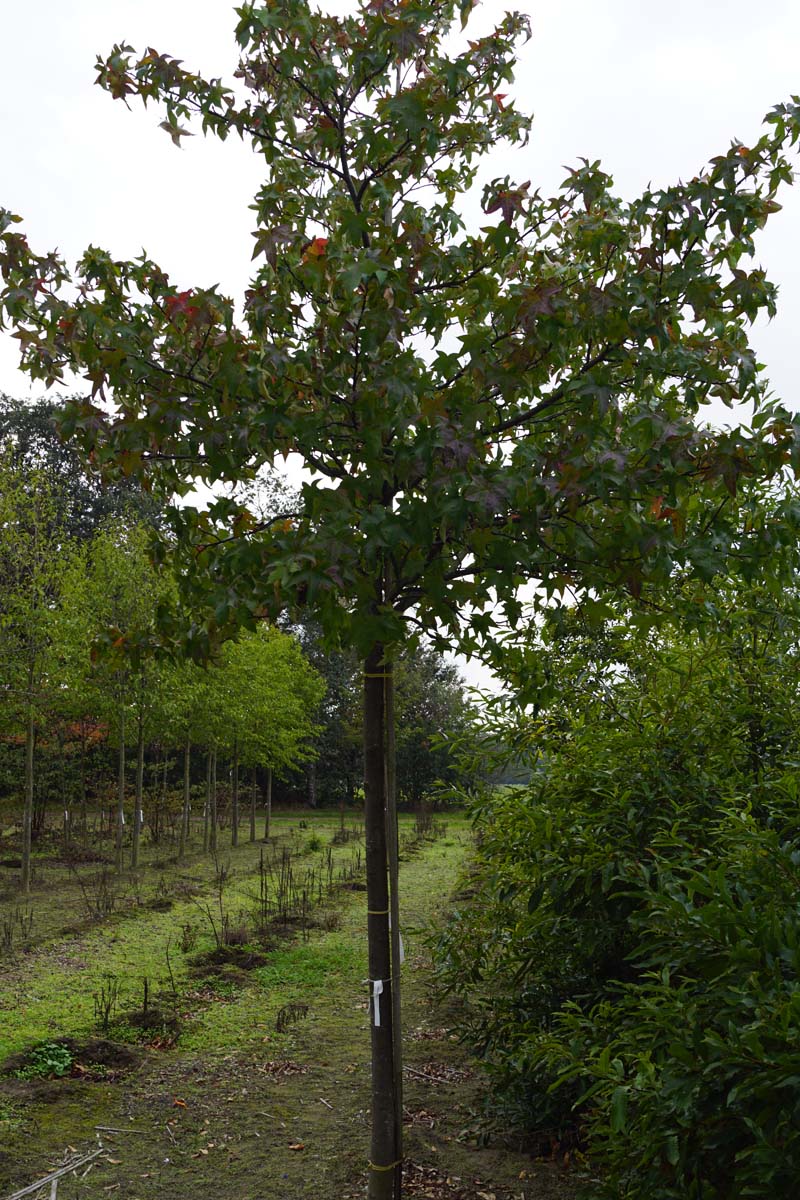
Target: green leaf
[{"x": 619, "y": 1109}]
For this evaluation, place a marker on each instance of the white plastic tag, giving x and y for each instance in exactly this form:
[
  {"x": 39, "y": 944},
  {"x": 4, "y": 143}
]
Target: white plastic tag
[
  {"x": 377, "y": 992},
  {"x": 400, "y": 939}
]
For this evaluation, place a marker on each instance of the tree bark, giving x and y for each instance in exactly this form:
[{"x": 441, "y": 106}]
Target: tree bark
[
  {"x": 268, "y": 804},
  {"x": 312, "y": 785},
  {"x": 212, "y": 816},
  {"x": 184, "y": 833},
  {"x": 120, "y": 791},
  {"x": 84, "y": 815},
  {"x": 137, "y": 807},
  {"x": 383, "y": 1163},
  {"x": 27, "y": 814},
  {"x": 235, "y": 795},
  {"x": 207, "y": 806},
  {"x": 393, "y": 851},
  {"x": 253, "y": 806}
]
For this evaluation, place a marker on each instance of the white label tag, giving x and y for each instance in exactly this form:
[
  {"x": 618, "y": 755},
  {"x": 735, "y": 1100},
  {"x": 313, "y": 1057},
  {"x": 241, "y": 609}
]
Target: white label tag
[
  {"x": 400, "y": 940},
  {"x": 377, "y": 992}
]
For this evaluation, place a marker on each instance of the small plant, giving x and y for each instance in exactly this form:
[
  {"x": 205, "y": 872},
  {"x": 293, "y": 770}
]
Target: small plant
[
  {"x": 18, "y": 925},
  {"x": 330, "y": 920},
  {"x": 313, "y": 844},
  {"x": 99, "y": 894},
  {"x": 236, "y": 933},
  {"x": 188, "y": 938},
  {"x": 10, "y": 1118},
  {"x": 289, "y": 1015},
  {"x": 106, "y": 1001},
  {"x": 345, "y": 834},
  {"x": 47, "y": 1061},
  {"x": 221, "y": 873}
]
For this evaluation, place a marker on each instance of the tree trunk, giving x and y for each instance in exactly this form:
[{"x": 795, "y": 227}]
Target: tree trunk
[
  {"x": 120, "y": 791},
  {"x": 268, "y": 804},
  {"x": 161, "y": 798},
  {"x": 312, "y": 785},
  {"x": 253, "y": 806},
  {"x": 235, "y": 795},
  {"x": 393, "y": 849},
  {"x": 137, "y": 807},
  {"x": 65, "y": 800},
  {"x": 184, "y": 833},
  {"x": 84, "y": 815},
  {"x": 212, "y": 816},
  {"x": 383, "y": 1159},
  {"x": 27, "y": 815},
  {"x": 207, "y": 807}
]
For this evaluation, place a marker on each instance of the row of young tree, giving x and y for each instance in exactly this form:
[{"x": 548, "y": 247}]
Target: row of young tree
[
  {"x": 80, "y": 666},
  {"x": 83, "y": 679}
]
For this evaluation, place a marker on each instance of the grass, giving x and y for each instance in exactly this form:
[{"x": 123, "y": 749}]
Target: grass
[
  {"x": 51, "y": 990},
  {"x": 238, "y": 1110}
]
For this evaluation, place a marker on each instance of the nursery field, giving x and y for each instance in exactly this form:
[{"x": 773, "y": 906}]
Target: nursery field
[{"x": 207, "y": 1033}]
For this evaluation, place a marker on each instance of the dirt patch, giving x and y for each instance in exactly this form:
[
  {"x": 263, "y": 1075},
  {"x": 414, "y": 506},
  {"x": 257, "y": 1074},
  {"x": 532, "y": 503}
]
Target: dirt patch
[
  {"x": 221, "y": 959},
  {"x": 96, "y": 1052}
]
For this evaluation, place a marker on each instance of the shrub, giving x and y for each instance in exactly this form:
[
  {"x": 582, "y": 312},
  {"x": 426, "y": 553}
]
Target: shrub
[
  {"x": 691, "y": 1075},
  {"x": 631, "y": 974}
]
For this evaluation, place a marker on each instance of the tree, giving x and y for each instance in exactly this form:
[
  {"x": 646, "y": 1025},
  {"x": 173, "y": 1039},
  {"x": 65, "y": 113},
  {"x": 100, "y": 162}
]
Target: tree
[
  {"x": 480, "y": 408},
  {"x": 431, "y": 709},
  {"x": 29, "y": 435},
  {"x": 33, "y": 556},
  {"x": 107, "y": 622},
  {"x": 274, "y": 693}
]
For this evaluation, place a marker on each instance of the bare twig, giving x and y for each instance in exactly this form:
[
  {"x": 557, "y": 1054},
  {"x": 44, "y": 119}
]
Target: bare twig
[
  {"x": 111, "y": 1129},
  {"x": 55, "y": 1175},
  {"x": 422, "y": 1075}
]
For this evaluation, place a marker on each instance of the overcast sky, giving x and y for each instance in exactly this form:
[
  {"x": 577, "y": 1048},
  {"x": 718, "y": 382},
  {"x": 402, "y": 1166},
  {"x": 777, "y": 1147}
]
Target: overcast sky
[{"x": 651, "y": 89}]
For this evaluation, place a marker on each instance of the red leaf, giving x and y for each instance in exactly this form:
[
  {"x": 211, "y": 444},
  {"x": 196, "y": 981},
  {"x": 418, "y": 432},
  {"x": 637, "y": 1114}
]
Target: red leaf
[{"x": 315, "y": 249}]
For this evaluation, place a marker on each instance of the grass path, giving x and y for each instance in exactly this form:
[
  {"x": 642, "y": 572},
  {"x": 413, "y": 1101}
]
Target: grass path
[{"x": 242, "y": 1112}]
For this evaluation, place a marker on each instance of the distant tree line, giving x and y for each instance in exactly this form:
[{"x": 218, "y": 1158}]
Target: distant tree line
[{"x": 98, "y": 723}]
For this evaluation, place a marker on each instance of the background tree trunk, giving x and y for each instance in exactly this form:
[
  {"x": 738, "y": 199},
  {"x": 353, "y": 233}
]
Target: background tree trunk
[
  {"x": 235, "y": 795},
  {"x": 27, "y": 814},
  {"x": 120, "y": 791},
  {"x": 268, "y": 804},
  {"x": 207, "y": 806},
  {"x": 184, "y": 833},
  {"x": 137, "y": 806},
  {"x": 253, "y": 806},
  {"x": 212, "y": 816},
  {"x": 84, "y": 815}
]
